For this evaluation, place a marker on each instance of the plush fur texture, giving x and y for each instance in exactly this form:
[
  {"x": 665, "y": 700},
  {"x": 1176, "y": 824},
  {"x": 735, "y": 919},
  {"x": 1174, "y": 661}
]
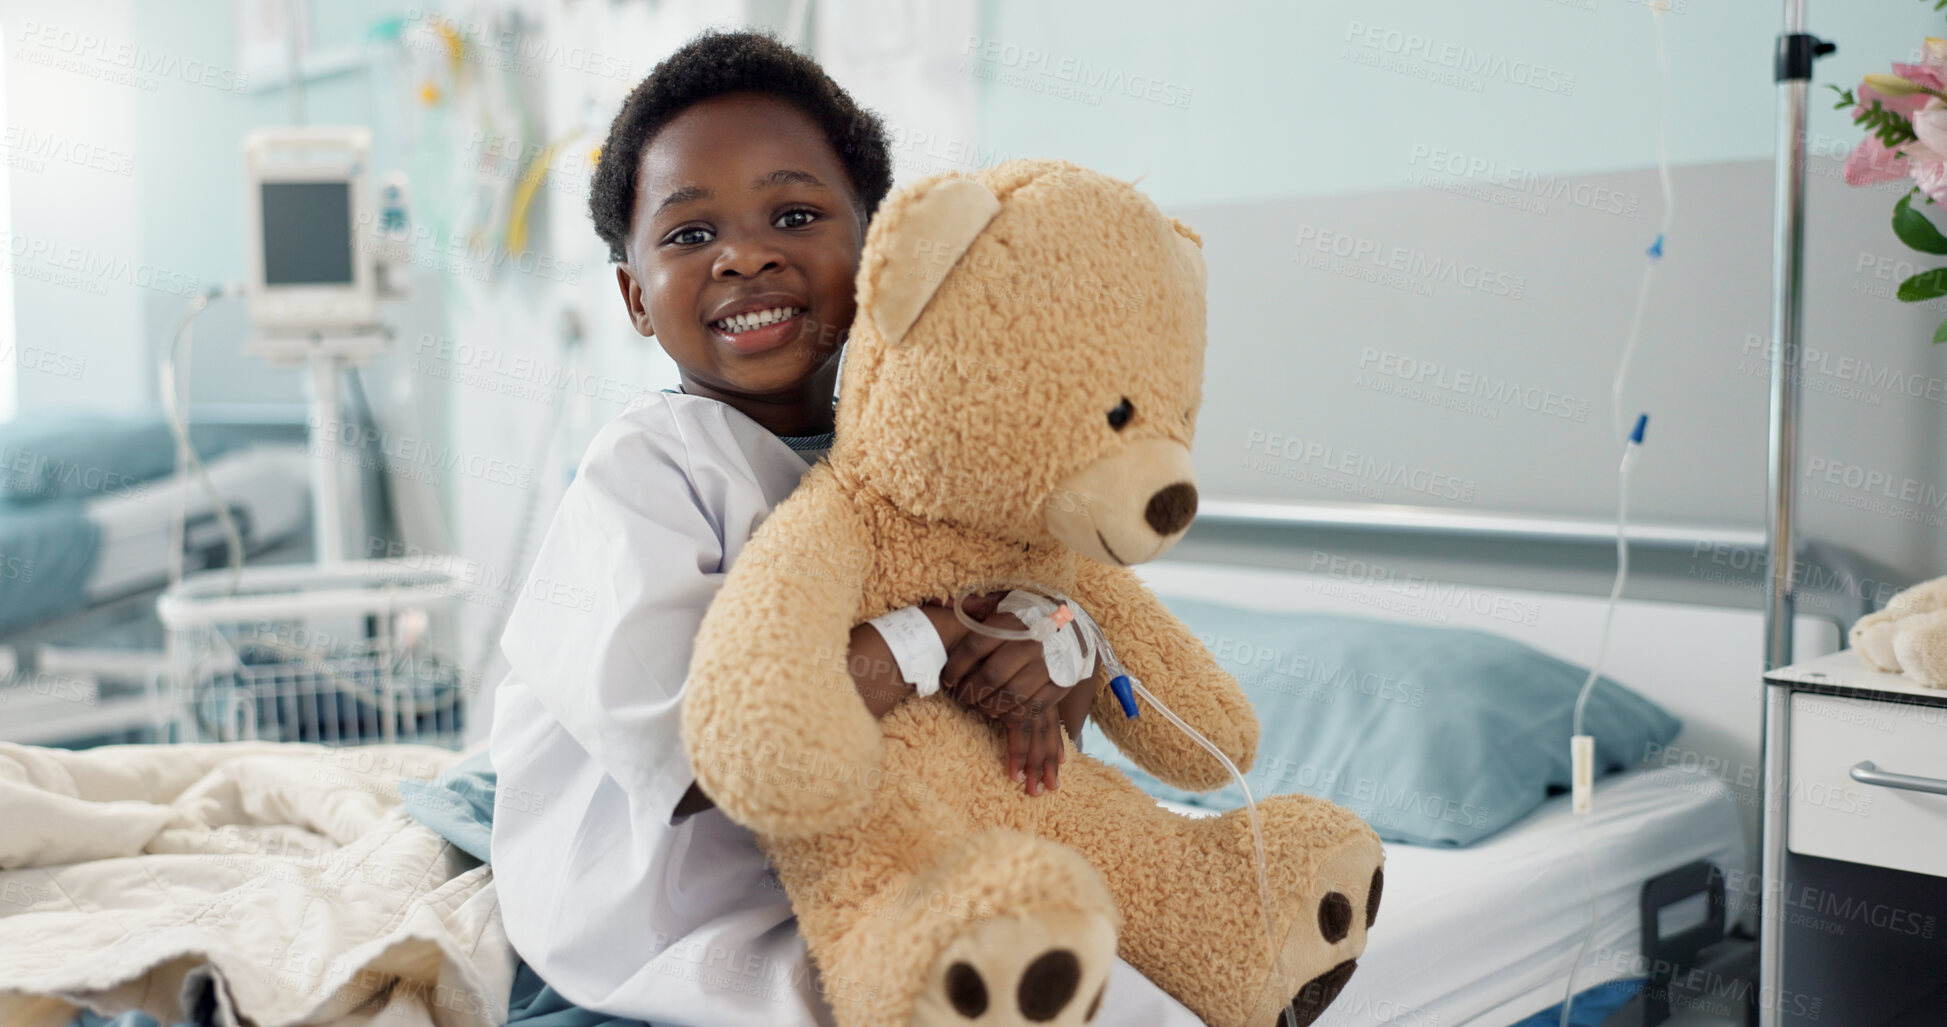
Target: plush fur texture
[
  {"x": 1020, "y": 416},
  {"x": 1909, "y": 636}
]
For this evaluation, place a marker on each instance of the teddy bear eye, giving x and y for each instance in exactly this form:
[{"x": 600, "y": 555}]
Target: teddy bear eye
[{"x": 1121, "y": 414}]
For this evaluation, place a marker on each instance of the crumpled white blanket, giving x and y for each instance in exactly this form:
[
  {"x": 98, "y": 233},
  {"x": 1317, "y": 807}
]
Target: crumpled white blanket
[{"x": 278, "y": 885}]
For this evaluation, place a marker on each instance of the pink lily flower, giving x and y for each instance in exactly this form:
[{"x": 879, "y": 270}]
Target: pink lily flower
[{"x": 1872, "y": 161}]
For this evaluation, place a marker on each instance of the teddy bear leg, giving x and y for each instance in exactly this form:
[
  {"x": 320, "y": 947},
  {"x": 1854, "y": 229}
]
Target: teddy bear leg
[
  {"x": 1005, "y": 929},
  {"x": 1188, "y": 891},
  {"x": 1336, "y": 889},
  {"x": 1872, "y": 638},
  {"x": 1920, "y": 645},
  {"x": 1872, "y": 635},
  {"x": 1325, "y": 874}
]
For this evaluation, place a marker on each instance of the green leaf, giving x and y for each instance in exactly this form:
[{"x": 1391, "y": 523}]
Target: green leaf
[
  {"x": 1924, "y": 286},
  {"x": 1915, "y": 230},
  {"x": 1940, "y": 333}
]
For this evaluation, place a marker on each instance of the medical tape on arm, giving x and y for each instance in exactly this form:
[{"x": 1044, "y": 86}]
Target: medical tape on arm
[
  {"x": 915, "y": 646},
  {"x": 1061, "y": 648}
]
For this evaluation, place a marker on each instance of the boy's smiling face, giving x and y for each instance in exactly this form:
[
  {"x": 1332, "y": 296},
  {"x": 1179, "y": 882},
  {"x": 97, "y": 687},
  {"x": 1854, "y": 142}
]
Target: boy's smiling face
[{"x": 743, "y": 206}]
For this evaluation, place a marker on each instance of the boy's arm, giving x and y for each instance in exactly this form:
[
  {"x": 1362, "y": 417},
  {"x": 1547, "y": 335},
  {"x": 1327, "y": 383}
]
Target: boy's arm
[{"x": 874, "y": 673}]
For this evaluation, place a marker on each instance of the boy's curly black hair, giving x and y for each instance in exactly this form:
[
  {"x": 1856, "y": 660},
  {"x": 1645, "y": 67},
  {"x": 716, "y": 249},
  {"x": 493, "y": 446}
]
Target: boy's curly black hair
[{"x": 712, "y": 64}]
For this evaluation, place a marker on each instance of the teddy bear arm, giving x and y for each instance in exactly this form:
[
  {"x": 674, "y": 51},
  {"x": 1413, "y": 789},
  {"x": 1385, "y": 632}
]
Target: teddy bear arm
[
  {"x": 772, "y": 722},
  {"x": 1159, "y": 650}
]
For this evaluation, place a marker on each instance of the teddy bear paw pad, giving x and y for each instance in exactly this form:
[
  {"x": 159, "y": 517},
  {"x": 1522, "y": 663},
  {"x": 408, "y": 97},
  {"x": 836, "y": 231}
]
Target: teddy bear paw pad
[
  {"x": 1324, "y": 937},
  {"x": 1317, "y": 993},
  {"x": 1047, "y": 970}
]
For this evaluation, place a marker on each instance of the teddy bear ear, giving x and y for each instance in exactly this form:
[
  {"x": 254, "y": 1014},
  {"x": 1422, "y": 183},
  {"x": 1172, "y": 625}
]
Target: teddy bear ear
[
  {"x": 1187, "y": 232},
  {"x": 1192, "y": 245},
  {"x": 937, "y": 226}
]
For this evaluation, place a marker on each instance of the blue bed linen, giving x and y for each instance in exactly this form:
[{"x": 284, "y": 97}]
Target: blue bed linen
[
  {"x": 1592, "y": 1005},
  {"x": 531, "y": 1004},
  {"x": 47, "y": 552},
  {"x": 1433, "y": 735},
  {"x": 48, "y": 457},
  {"x": 130, "y": 1019},
  {"x": 459, "y": 806}
]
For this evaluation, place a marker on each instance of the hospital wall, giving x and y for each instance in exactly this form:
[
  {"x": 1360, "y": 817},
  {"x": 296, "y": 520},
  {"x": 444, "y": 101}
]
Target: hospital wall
[
  {"x": 161, "y": 98},
  {"x": 1426, "y": 224},
  {"x": 1368, "y": 254}
]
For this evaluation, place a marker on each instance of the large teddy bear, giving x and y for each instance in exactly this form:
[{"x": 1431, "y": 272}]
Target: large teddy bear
[
  {"x": 1909, "y": 636},
  {"x": 1018, "y": 398}
]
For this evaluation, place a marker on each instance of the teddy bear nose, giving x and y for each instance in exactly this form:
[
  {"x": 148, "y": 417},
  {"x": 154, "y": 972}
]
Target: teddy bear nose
[{"x": 1171, "y": 508}]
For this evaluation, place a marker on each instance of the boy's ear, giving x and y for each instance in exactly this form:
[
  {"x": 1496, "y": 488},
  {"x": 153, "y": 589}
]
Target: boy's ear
[
  {"x": 632, "y": 298},
  {"x": 920, "y": 248}
]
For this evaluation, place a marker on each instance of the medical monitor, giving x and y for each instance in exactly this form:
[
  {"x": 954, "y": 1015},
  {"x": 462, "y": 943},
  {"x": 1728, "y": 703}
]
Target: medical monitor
[{"x": 311, "y": 244}]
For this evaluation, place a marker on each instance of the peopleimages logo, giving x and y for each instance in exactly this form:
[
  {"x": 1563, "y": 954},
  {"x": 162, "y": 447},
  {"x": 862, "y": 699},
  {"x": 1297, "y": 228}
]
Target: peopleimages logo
[
  {"x": 26, "y": 144},
  {"x": 1362, "y": 466},
  {"x": 1904, "y": 489},
  {"x": 1524, "y": 181},
  {"x": 1431, "y": 591},
  {"x": 1408, "y": 261},
  {"x": 506, "y": 47},
  {"x": 1463, "y": 60},
  {"x": 1506, "y": 391},
  {"x": 117, "y": 61},
  {"x": 1033, "y": 61},
  {"x": 88, "y": 270}
]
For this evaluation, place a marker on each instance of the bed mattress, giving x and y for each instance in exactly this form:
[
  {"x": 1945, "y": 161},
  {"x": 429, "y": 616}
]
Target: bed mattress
[
  {"x": 267, "y": 489},
  {"x": 80, "y": 552},
  {"x": 1484, "y": 935}
]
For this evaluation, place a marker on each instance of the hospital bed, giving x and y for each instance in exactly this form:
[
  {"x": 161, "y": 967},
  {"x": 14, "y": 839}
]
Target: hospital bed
[
  {"x": 80, "y": 642},
  {"x": 266, "y": 489},
  {"x": 1485, "y": 934}
]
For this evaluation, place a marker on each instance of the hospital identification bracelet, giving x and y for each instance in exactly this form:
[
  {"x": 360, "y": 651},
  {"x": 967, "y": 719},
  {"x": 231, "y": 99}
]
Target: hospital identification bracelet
[{"x": 915, "y": 645}]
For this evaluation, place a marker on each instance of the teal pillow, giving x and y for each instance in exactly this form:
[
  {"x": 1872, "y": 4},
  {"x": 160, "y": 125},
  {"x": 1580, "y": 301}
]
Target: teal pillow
[
  {"x": 69, "y": 456},
  {"x": 1433, "y": 735}
]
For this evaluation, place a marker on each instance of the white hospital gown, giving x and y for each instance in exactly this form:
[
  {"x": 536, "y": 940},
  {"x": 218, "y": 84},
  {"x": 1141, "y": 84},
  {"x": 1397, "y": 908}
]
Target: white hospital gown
[{"x": 621, "y": 909}]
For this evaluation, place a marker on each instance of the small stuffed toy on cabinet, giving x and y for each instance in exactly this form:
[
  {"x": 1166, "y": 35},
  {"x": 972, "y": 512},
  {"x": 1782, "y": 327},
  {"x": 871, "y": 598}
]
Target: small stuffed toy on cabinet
[
  {"x": 1020, "y": 389},
  {"x": 1909, "y": 636}
]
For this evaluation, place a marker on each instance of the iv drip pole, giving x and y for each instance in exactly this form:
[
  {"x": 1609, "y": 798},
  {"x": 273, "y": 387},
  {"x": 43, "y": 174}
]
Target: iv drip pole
[
  {"x": 1796, "y": 51},
  {"x": 1793, "y": 73}
]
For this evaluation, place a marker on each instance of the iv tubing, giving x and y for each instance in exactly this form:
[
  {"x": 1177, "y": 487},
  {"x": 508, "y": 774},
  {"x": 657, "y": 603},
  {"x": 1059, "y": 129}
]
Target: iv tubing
[{"x": 1093, "y": 640}]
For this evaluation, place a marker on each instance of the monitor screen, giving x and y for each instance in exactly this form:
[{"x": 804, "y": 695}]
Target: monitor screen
[{"x": 307, "y": 233}]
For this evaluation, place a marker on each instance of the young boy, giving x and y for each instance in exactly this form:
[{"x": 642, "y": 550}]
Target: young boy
[{"x": 734, "y": 192}]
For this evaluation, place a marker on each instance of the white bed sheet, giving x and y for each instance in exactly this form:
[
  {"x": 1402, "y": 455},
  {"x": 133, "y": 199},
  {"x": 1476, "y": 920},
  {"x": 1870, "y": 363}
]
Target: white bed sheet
[
  {"x": 1484, "y": 935},
  {"x": 270, "y": 484},
  {"x": 1704, "y": 665}
]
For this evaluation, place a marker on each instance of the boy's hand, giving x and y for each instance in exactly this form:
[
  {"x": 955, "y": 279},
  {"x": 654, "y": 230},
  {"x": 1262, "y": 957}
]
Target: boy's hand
[{"x": 1007, "y": 681}]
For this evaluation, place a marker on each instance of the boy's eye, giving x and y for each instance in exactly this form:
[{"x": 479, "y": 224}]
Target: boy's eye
[
  {"x": 808, "y": 217},
  {"x": 690, "y": 236}
]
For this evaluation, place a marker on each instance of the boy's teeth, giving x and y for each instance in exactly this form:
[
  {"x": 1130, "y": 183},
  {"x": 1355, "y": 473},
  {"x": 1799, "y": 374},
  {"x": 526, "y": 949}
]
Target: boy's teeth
[{"x": 757, "y": 319}]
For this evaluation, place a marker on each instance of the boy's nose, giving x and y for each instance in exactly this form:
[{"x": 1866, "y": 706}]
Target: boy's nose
[
  {"x": 747, "y": 261},
  {"x": 738, "y": 270}
]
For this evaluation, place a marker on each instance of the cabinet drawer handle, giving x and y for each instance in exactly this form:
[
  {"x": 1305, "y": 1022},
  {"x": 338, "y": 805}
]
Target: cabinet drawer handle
[{"x": 1866, "y": 773}]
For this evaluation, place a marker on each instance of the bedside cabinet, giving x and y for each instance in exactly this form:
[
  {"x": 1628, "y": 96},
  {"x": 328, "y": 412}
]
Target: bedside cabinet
[{"x": 1854, "y": 896}]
